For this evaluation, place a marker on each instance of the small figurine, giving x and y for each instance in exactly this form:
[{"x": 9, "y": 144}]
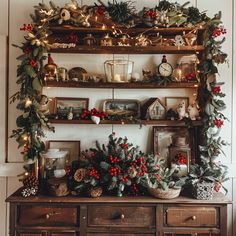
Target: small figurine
[
  {"x": 181, "y": 110},
  {"x": 50, "y": 69},
  {"x": 193, "y": 111},
  {"x": 70, "y": 114},
  {"x": 44, "y": 105}
]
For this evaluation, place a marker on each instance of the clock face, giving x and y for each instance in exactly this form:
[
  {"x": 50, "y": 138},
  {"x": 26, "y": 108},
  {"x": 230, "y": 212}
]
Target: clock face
[{"x": 165, "y": 69}]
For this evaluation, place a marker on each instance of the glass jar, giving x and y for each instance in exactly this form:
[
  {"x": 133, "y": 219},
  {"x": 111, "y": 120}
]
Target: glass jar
[
  {"x": 106, "y": 41},
  {"x": 54, "y": 164},
  {"x": 118, "y": 71}
]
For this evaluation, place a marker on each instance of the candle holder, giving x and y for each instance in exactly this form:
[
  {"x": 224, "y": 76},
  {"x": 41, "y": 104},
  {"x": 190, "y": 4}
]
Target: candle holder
[{"x": 118, "y": 71}]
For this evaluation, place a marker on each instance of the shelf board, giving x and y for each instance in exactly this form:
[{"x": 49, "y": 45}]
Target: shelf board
[
  {"x": 130, "y": 49},
  {"x": 137, "y": 85},
  {"x": 131, "y": 31},
  {"x": 124, "y": 122}
]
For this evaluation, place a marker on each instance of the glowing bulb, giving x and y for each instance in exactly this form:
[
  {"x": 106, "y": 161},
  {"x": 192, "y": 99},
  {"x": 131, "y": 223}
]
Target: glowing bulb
[
  {"x": 28, "y": 102},
  {"x": 103, "y": 26},
  {"x": 26, "y": 173},
  {"x": 96, "y": 18}
]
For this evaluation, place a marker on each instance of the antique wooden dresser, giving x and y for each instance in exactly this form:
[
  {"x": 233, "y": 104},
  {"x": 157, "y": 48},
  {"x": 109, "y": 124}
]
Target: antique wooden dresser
[{"x": 114, "y": 216}]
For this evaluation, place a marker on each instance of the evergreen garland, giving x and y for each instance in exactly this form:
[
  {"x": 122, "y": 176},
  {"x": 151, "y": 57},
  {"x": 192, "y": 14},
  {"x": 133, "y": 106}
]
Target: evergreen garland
[{"x": 30, "y": 69}]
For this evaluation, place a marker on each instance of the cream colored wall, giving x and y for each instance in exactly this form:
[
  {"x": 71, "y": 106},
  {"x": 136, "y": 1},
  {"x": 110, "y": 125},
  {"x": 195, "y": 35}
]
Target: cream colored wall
[{"x": 17, "y": 11}]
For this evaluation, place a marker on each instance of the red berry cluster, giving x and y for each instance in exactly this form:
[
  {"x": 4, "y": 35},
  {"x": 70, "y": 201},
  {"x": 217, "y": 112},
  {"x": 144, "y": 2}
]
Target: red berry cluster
[
  {"x": 27, "y": 27},
  {"x": 190, "y": 76},
  {"x": 33, "y": 63},
  {"x": 217, "y": 186},
  {"x": 180, "y": 159},
  {"x": 86, "y": 114},
  {"x": 27, "y": 51},
  {"x": 125, "y": 179},
  {"x": 124, "y": 145},
  {"x": 134, "y": 188},
  {"x": 73, "y": 38},
  {"x": 114, "y": 171},
  {"x": 218, "y": 31},
  {"x": 218, "y": 123},
  {"x": 152, "y": 14},
  {"x": 143, "y": 170},
  {"x": 158, "y": 177},
  {"x": 94, "y": 173},
  {"x": 216, "y": 90},
  {"x": 113, "y": 160}
]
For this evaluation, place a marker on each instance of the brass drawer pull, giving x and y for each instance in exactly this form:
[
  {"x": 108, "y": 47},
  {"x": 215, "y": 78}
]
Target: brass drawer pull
[{"x": 48, "y": 215}]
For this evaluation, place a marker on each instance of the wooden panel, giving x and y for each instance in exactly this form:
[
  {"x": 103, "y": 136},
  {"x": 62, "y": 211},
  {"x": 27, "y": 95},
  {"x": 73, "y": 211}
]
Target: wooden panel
[
  {"x": 117, "y": 216},
  {"x": 63, "y": 234},
  {"x": 192, "y": 216},
  {"x": 47, "y": 216},
  {"x": 29, "y": 234},
  {"x": 112, "y": 234}
]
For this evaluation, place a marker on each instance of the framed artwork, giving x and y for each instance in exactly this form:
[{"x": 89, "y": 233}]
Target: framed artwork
[
  {"x": 122, "y": 107},
  {"x": 64, "y": 105},
  {"x": 164, "y": 138},
  {"x": 73, "y": 148},
  {"x": 173, "y": 102}
]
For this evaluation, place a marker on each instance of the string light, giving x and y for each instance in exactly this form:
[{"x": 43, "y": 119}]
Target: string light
[
  {"x": 28, "y": 102},
  {"x": 104, "y": 27}
]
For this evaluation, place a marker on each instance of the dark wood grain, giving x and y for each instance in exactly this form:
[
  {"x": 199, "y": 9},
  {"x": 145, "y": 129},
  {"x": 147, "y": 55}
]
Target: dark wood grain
[
  {"x": 130, "y": 50},
  {"x": 193, "y": 216},
  {"x": 125, "y": 122},
  {"x": 106, "y": 85},
  {"x": 121, "y": 216}
]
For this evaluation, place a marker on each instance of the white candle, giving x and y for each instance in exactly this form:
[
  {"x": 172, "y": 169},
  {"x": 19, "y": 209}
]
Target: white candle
[{"x": 117, "y": 78}]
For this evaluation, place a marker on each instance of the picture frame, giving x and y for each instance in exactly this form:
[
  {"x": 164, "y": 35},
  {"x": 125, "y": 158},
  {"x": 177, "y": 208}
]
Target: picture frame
[
  {"x": 173, "y": 102},
  {"x": 62, "y": 106},
  {"x": 73, "y": 148},
  {"x": 122, "y": 107},
  {"x": 164, "y": 138}
]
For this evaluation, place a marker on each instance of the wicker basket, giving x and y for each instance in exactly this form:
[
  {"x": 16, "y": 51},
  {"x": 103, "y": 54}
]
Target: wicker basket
[{"x": 164, "y": 194}]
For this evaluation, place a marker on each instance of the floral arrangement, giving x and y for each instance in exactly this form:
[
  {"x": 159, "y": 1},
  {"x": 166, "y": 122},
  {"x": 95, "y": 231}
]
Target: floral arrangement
[
  {"x": 117, "y": 168},
  {"x": 159, "y": 176},
  {"x": 207, "y": 171},
  {"x": 30, "y": 73}
]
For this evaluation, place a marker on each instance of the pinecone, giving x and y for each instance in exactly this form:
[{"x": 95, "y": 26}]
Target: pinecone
[
  {"x": 30, "y": 181},
  {"x": 95, "y": 192},
  {"x": 80, "y": 174}
]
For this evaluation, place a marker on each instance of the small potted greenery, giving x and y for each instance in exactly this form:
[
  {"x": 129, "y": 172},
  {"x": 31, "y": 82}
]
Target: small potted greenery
[
  {"x": 206, "y": 177},
  {"x": 160, "y": 180}
]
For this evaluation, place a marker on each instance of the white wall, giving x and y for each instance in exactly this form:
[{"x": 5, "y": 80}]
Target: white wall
[{"x": 17, "y": 11}]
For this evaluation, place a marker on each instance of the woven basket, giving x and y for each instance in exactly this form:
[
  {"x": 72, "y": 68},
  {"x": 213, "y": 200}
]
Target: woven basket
[{"x": 164, "y": 194}]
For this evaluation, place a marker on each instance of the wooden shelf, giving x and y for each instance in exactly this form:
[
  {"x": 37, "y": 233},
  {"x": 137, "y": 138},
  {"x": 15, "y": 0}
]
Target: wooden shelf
[
  {"x": 130, "y": 31},
  {"x": 102, "y": 85},
  {"x": 130, "y": 50},
  {"x": 120, "y": 122}
]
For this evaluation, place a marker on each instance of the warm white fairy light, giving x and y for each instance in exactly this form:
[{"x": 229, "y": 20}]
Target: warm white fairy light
[{"x": 104, "y": 27}]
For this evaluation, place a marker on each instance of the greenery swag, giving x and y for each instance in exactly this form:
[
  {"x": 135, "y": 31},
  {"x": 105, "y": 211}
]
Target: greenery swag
[{"x": 32, "y": 121}]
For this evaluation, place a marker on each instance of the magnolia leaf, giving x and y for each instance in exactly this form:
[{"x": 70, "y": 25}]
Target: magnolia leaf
[
  {"x": 36, "y": 51},
  {"x": 36, "y": 84},
  {"x": 30, "y": 71}
]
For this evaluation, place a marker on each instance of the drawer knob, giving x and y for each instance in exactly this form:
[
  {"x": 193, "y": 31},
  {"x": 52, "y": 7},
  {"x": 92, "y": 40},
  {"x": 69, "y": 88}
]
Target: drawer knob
[
  {"x": 122, "y": 216},
  {"x": 194, "y": 217}
]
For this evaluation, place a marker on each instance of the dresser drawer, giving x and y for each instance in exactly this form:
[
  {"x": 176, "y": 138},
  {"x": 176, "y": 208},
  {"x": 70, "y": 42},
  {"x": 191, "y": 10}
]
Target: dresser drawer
[
  {"x": 112, "y": 234},
  {"x": 191, "y": 216},
  {"x": 29, "y": 215},
  {"x": 121, "y": 216}
]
